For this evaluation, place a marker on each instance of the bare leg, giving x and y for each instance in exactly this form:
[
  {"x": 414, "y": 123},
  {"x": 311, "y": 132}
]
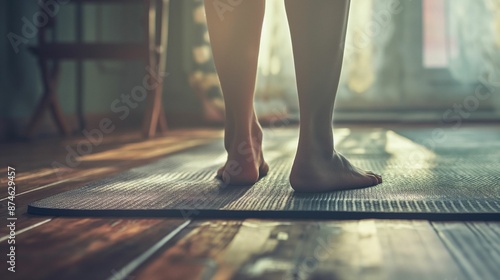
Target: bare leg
[
  {"x": 235, "y": 38},
  {"x": 318, "y": 31}
]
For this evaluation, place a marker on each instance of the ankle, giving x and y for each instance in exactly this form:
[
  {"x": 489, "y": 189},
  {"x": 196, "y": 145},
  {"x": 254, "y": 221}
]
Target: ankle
[{"x": 314, "y": 146}]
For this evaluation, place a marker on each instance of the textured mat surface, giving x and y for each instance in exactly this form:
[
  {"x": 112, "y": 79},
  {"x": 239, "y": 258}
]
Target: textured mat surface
[{"x": 453, "y": 177}]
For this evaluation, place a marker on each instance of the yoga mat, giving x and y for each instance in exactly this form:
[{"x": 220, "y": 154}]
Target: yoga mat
[{"x": 456, "y": 179}]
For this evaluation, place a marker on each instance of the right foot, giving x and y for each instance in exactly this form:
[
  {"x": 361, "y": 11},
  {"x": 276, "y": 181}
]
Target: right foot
[
  {"x": 320, "y": 173},
  {"x": 245, "y": 163}
]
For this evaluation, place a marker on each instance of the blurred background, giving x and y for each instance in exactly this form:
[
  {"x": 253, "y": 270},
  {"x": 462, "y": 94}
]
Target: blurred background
[{"x": 434, "y": 61}]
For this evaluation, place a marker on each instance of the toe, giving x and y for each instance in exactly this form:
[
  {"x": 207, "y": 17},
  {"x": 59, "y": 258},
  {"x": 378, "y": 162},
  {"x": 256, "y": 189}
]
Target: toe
[
  {"x": 264, "y": 169},
  {"x": 374, "y": 180},
  {"x": 220, "y": 171},
  {"x": 379, "y": 177}
]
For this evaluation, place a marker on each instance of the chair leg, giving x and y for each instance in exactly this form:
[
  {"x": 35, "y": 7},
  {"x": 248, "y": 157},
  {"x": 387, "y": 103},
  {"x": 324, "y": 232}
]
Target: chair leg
[
  {"x": 48, "y": 100},
  {"x": 162, "y": 57},
  {"x": 58, "y": 116},
  {"x": 154, "y": 113},
  {"x": 162, "y": 121},
  {"x": 155, "y": 116}
]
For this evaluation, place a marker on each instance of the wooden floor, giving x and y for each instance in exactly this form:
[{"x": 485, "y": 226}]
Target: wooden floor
[{"x": 116, "y": 248}]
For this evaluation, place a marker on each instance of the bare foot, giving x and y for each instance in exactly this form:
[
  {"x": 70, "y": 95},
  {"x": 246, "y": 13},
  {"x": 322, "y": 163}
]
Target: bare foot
[
  {"x": 320, "y": 173},
  {"x": 245, "y": 163}
]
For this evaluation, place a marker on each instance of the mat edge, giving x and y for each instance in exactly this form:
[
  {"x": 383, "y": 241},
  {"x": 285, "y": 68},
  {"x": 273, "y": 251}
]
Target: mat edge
[{"x": 262, "y": 214}]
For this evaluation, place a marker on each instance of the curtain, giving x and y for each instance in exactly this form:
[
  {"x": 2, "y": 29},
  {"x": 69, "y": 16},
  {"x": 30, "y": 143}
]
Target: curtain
[
  {"x": 382, "y": 66},
  {"x": 474, "y": 30},
  {"x": 370, "y": 67},
  {"x": 474, "y": 35},
  {"x": 203, "y": 78},
  {"x": 276, "y": 93},
  {"x": 368, "y": 59},
  {"x": 372, "y": 58}
]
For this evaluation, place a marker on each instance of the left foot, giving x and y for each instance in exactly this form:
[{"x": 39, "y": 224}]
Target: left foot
[{"x": 245, "y": 162}]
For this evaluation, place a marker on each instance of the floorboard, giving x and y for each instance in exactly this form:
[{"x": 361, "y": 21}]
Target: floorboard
[
  {"x": 84, "y": 248},
  {"x": 256, "y": 249},
  {"x": 474, "y": 245}
]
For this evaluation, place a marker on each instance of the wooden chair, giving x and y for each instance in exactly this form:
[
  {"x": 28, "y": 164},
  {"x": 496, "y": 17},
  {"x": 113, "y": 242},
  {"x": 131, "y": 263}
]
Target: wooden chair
[{"x": 153, "y": 51}]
